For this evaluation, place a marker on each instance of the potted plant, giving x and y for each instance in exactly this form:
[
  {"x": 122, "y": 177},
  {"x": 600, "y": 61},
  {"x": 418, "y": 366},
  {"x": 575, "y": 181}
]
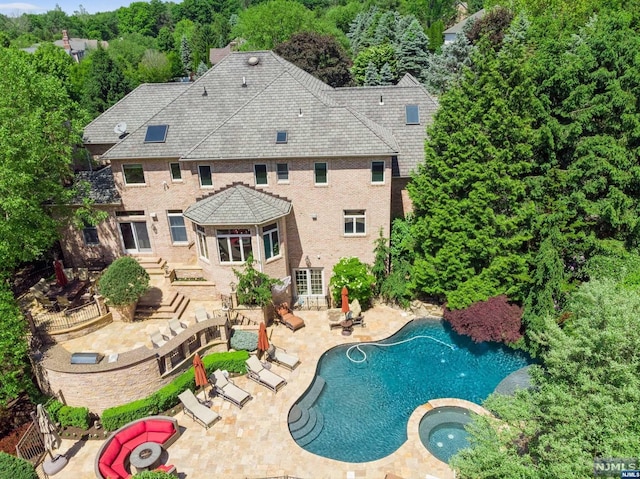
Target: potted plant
[{"x": 122, "y": 284}]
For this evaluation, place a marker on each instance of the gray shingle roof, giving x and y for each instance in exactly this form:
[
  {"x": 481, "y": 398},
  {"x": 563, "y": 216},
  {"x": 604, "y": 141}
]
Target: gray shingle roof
[
  {"x": 238, "y": 204},
  {"x": 459, "y": 27},
  {"x": 391, "y": 115},
  {"x": 102, "y": 187},
  {"x": 134, "y": 109},
  {"x": 325, "y": 129}
]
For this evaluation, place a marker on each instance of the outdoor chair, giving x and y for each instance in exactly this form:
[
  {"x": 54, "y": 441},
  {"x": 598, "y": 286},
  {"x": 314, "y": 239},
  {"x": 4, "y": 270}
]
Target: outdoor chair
[
  {"x": 227, "y": 390},
  {"x": 282, "y": 358},
  {"x": 258, "y": 373},
  {"x": 176, "y": 326},
  {"x": 199, "y": 413},
  {"x": 201, "y": 314},
  {"x": 63, "y": 302},
  {"x": 158, "y": 339}
]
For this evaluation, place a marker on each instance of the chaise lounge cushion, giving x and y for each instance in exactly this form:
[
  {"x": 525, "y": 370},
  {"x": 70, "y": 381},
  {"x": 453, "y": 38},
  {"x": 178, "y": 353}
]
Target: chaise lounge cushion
[{"x": 292, "y": 321}]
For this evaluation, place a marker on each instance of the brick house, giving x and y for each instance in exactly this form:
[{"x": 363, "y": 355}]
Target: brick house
[{"x": 256, "y": 156}]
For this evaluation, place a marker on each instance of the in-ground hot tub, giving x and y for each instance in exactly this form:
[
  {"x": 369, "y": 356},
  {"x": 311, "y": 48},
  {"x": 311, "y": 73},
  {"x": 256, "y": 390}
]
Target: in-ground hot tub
[{"x": 442, "y": 431}]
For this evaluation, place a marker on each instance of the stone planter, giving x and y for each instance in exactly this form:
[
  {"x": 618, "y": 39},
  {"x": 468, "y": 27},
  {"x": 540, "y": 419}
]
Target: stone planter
[{"x": 124, "y": 313}]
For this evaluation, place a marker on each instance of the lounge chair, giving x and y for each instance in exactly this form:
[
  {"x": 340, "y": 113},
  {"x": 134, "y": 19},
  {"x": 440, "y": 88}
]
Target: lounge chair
[
  {"x": 282, "y": 357},
  {"x": 257, "y": 372},
  {"x": 197, "y": 411},
  {"x": 289, "y": 319},
  {"x": 201, "y": 314},
  {"x": 176, "y": 326},
  {"x": 226, "y": 389},
  {"x": 158, "y": 339}
]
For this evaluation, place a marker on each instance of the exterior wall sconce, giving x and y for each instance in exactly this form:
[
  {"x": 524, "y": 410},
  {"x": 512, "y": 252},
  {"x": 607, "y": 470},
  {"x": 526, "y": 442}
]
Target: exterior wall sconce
[{"x": 307, "y": 261}]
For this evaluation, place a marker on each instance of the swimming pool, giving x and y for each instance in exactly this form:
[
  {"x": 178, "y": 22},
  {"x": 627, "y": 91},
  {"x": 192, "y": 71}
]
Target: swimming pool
[{"x": 358, "y": 411}]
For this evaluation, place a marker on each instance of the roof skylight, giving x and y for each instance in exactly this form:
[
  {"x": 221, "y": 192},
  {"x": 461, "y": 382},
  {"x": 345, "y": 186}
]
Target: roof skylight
[
  {"x": 281, "y": 136},
  {"x": 156, "y": 134}
]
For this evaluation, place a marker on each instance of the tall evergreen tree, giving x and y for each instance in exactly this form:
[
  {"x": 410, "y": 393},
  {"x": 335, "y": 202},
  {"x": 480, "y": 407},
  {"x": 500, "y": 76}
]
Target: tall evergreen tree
[
  {"x": 413, "y": 50},
  {"x": 105, "y": 83},
  {"x": 371, "y": 75},
  {"x": 444, "y": 69},
  {"x": 185, "y": 55},
  {"x": 386, "y": 75}
]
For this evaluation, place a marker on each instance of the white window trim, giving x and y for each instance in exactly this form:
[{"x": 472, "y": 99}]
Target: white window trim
[
  {"x": 278, "y": 180},
  {"x": 314, "y": 173},
  {"x": 124, "y": 175},
  {"x": 175, "y": 180},
  {"x": 200, "y": 176},
  {"x": 255, "y": 175},
  {"x": 269, "y": 233},
  {"x": 353, "y": 218},
  {"x": 310, "y": 295},
  {"x": 228, "y": 237},
  {"x": 384, "y": 176},
  {"x": 201, "y": 235},
  {"x": 184, "y": 225}
]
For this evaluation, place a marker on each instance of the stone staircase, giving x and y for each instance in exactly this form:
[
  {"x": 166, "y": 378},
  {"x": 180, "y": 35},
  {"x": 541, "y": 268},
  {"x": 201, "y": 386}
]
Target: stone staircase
[
  {"x": 153, "y": 265},
  {"x": 305, "y": 421},
  {"x": 159, "y": 304}
]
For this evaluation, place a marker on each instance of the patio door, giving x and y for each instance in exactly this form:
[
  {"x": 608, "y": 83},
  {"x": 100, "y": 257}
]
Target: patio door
[
  {"x": 135, "y": 237},
  {"x": 309, "y": 282}
]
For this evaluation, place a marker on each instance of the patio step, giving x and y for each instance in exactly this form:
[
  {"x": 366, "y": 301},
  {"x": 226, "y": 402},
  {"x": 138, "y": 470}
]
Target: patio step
[
  {"x": 153, "y": 265},
  {"x": 172, "y": 306},
  {"x": 312, "y": 419},
  {"x": 298, "y": 418}
]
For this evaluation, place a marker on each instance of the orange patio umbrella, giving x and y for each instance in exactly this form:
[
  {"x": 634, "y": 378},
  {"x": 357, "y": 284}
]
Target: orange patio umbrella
[
  {"x": 263, "y": 340},
  {"x": 199, "y": 372},
  {"x": 345, "y": 300}
]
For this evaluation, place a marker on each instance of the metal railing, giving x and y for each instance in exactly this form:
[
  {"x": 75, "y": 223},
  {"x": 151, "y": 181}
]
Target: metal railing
[
  {"x": 236, "y": 318},
  {"x": 30, "y": 447},
  {"x": 69, "y": 318},
  {"x": 311, "y": 302}
]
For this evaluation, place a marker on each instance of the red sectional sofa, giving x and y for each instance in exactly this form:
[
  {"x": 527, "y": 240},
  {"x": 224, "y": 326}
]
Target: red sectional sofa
[{"x": 112, "y": 459}]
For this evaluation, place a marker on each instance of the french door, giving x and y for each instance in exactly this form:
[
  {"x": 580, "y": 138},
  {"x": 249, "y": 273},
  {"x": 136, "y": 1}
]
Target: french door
[{"x": 135, "y": 237}]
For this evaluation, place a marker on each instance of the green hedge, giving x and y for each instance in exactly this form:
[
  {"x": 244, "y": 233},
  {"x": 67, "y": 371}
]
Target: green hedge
[
  {"x": 154, "y": 475},
  {"x": 167, "y": 397},
  {"x": 68, "y": 415},
  {"x": 53, "y": 408},
  {"x": 12, "y": 467}
]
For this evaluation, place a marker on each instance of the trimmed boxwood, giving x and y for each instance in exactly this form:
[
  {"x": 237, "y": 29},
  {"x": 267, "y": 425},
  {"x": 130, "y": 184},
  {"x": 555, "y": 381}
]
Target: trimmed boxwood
[
  {"x": 74, "y": 416},
  {"x": 167, "y": 397},
  {"x": 12, "y": 467},
  {"x": 154, "y": 475},
  {"x": 53, "y": 408},
  {"x": 123, "y": 282}
]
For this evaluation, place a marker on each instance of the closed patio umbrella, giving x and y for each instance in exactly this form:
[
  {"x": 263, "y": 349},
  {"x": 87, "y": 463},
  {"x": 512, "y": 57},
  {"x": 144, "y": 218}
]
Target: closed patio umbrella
[
  {"x": 263, "y": 340},
  {"x": 345, "y": 301},
  {"x": 61, "y": 278},
  {"x": 51, "y": 440},
  {"x": 199, "y": 372}
]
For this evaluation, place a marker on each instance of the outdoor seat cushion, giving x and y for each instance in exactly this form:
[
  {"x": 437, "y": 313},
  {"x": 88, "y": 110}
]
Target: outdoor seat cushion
[
  {"x": 131, "y": 444},
  {"x": 107, "y": 471},
  {"x": 159, "y": 426},
  {"x": 119, "y": 468},
  {"x": 111, "y": 452},
  {"x": 159, "y": 437},
  {"x": 131, "y": 432}
]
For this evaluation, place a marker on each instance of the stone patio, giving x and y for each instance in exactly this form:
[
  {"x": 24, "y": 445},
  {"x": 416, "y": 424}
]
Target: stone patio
[{"x": 254, "y": 442}]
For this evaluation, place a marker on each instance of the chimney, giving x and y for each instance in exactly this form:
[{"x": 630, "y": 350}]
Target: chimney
[{"x": 65, "y": 41}]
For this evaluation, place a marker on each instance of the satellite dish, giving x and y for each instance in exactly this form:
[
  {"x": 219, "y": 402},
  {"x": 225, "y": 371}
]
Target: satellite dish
[{"x": 120, "y": 129}]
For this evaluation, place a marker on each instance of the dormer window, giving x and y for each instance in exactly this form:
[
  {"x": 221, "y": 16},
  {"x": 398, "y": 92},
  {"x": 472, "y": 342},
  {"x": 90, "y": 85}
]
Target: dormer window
[
  {"x": 281, "y": 136},
  {"x": 156, "y": 134},
  {"x": 412, "y": 113}
]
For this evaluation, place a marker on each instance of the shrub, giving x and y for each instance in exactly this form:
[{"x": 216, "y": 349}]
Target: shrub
[
  {"x": 154, "y": 475},
  {"x": 167, "y": 397},
  {"x": 254, "y": 287},
  {"x": 74, "y": 416},
  {"x": 12, "y": 467},
  {"x": 245, "y": 340},
  {"x": 492, "y": 320},
  {"x": 53, "y": 408},
  {"x": 355, "y": 275},
  {"x": 123, "y": 282}
]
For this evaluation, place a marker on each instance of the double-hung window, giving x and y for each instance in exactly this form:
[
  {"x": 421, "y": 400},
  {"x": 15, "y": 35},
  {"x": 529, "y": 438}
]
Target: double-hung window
[
  {"x": 133, "y": 174},
  {"x": 176, "y": 173},
  {"x": 354, "y": 222},
  {"x": 377, "y": 172},
  {"x": 261, "y": 174},
  {"x": 271, "y": 240},
  {"x": 177, "y": 226},
  {"x": 204, "y": 171},
  {"x": 282, "y": 170},
  {"x": 234, "y": 245},
  {"x": 320, "y": 172}
]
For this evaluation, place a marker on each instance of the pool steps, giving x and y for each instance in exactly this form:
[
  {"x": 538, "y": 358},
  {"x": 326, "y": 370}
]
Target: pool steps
[{"x": 306, "y": 422}]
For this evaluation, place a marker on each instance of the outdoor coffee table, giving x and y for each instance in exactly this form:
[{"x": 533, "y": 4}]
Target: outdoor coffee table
[{"x": 145, "y": 456}]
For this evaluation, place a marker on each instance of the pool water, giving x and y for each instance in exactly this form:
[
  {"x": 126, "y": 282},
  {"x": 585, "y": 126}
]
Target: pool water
[
  {"x": 362, "y": 411},
  {"x": 442, "y": 432}
]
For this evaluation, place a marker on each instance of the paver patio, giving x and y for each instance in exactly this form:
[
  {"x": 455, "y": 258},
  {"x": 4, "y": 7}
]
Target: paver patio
[{"x": 254, "y": 441}]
